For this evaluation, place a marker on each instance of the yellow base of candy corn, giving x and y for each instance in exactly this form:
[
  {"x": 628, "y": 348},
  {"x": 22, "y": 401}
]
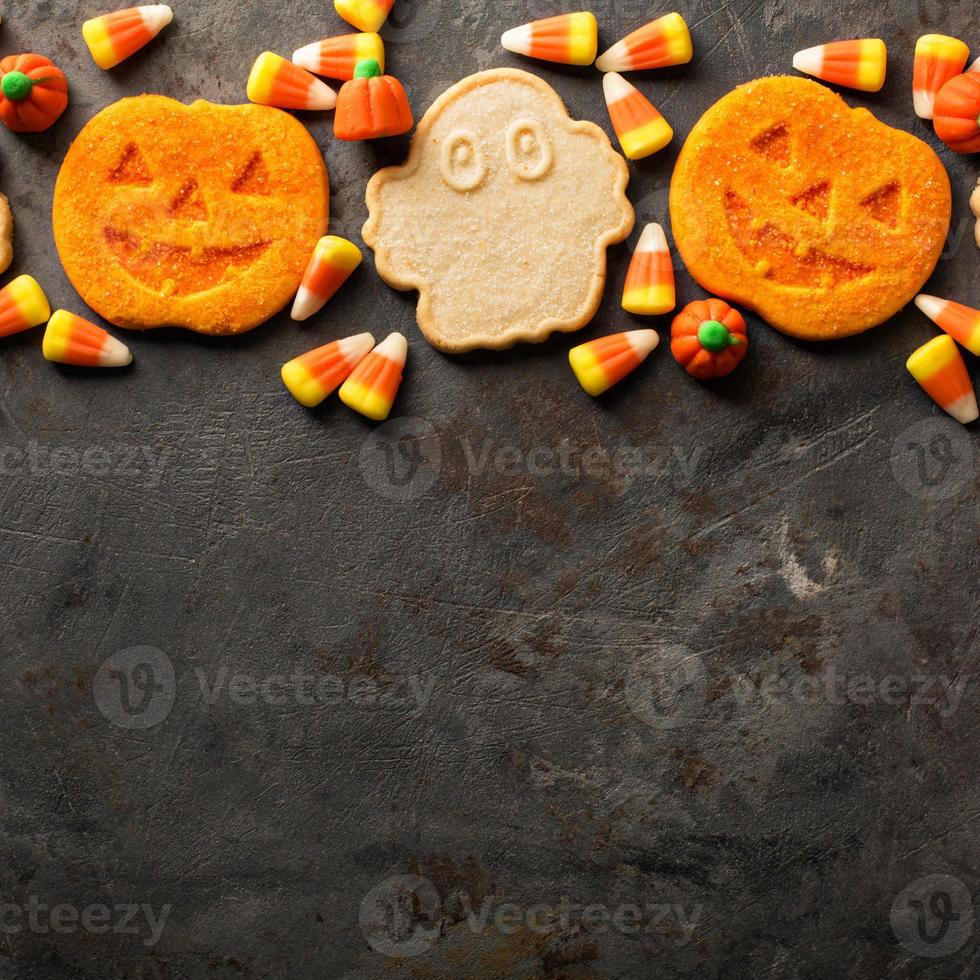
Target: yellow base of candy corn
[
  {"x": 302, "y": 385},
  {"x": 646, "y": 140},
  {"x": 650, "y": 301},
  {"x": 30, "y": 299},
  {"x": 583, "y": 44},
  {"x": 365, "y": 15},
  {"x": 589, "y": 371},
  {"x": 97, "y": 38},
  {"x": 365, "y": 401}
]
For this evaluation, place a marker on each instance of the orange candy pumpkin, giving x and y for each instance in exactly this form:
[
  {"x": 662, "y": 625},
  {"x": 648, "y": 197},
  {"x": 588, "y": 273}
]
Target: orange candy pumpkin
[
  {"x": 371, "y": 105},
  {"x": 33, "y": 93},
  {"x": 709, "y": 339},
  {"x": 957, "y": 113}
]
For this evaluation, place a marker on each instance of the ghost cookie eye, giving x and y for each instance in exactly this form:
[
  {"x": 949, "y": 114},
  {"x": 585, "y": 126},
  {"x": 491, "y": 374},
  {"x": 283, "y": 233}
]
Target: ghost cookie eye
[
  {"x": 461, "y": 163},
  {"x": 529, "y": 153}
]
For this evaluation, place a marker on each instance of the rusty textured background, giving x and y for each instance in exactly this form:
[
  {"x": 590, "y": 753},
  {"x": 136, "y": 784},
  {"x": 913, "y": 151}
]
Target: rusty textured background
[{"x": 689, "y": 678}]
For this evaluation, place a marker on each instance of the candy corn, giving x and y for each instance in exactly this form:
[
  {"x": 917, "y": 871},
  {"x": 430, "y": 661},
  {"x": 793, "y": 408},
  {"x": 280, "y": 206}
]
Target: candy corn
[
  {"x": 938, "y": 58},
  {"x": 313, "y": 376},
  {"x": 640, "y": 128},
  {"x": 939, "y": 369},
  {"x": 601, "y": 363},
  {"x": 372, "y": 387},
  {"x": 337, "y": 57},
  {"x": 333, "y": 261},
  {"x": 71, "y": 340},
  {"x": 365, "y": 15},
  {"x": 960, "y": 322},
  {"x": 855, "y": 64},
  {"x": 660, "y": 44},
  {"x": 650, "y": 281},
  {"x": 22, "y": 305},
  {"x": 277, "y": 82},
  {"x": 974, "y": 67},
  {"x": 112, "y": 38},
  {"x": 569, "y": 39}
]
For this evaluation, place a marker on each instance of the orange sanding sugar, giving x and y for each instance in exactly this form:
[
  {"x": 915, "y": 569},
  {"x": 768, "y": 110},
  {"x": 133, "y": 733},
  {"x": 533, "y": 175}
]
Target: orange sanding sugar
[
  {"x": 822, "y": 219},
  {"x": 200, "y": 216}
]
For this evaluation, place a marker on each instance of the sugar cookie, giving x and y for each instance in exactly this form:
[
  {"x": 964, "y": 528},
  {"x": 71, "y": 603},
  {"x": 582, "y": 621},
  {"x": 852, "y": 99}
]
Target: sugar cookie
[
  {"x": 502, "y": 215},
  {"x": 155, "y": 228},
  {"x": 822, "y": 219}
]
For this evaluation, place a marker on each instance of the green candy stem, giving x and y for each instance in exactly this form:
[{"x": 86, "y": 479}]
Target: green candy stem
[
  {"x": 368, "y": 68},
  {"x": 16, "y": 86},
  {"x": 715, "y": 336}
]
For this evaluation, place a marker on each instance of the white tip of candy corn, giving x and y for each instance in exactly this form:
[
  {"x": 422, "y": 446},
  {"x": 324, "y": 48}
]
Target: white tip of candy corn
[
  {"x": 932, "y": 306},
  {"x": 643, "y": 342},
  {"x": 518, "y": 39},
  {"x": 356, "y": 348},
  {"x": 394, "y": 347},
  {"x": 617, "y": 58},
  {"x": 965, "y": 409},
  {"x": 974, "y": 67},
  {"x": 322, "y": 96},
  {"x": 615, "y": 87},
  {"x": 924, "y": 104},
  {"x": 809, "y": 61},
  {"x": 653, "y": 238},
  {"x": 115, "y": 353},
  {"x": 308, "y": 57},
  {"x": 306, "y": 304},
  {"x": 156, "y": 17}
]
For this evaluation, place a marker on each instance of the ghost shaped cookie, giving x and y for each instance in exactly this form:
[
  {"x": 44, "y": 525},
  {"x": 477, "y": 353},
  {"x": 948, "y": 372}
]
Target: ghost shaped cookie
[{"x": 501, "y": 216}]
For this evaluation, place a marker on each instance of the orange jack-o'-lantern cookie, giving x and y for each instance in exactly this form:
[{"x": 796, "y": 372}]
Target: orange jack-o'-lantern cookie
[
  {"x": 819, "y": 217},
  {"x": 200, "y": 216}
]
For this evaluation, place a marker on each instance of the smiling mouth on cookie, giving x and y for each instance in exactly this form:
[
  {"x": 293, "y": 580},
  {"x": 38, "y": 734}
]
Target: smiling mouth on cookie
[
  {"x": 181, "y": 270},
  {"x": 778, "y": 256}
]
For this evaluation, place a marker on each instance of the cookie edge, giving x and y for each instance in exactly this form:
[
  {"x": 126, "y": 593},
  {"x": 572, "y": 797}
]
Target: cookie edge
[
  {"x": 789, "y": 330},
  {"x": 246, "y": 326},
  {"x": 514, "y": 336}
]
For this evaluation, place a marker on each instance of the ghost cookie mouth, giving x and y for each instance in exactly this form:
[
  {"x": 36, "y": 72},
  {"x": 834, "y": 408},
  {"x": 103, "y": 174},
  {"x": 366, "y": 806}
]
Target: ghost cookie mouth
[{"x": 494, "y": 162}]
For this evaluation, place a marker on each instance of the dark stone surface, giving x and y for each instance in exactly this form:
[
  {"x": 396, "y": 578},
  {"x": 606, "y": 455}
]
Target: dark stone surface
[{"x": 797, "y": 545}]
